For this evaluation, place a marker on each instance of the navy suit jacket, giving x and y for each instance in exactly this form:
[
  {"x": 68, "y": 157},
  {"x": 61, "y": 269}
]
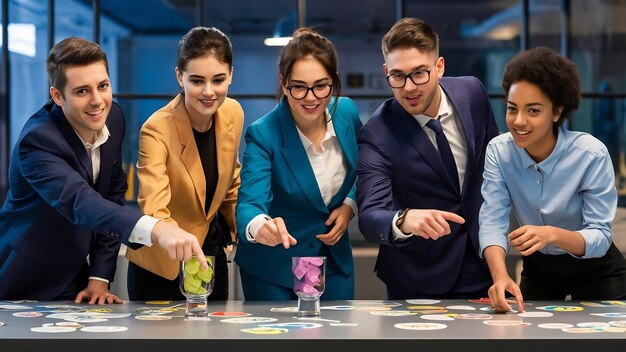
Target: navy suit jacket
[
  {"x": 399, "y": 167},
  {"x": 277, "y": 179},
  {"x": 53, "y": 217}
]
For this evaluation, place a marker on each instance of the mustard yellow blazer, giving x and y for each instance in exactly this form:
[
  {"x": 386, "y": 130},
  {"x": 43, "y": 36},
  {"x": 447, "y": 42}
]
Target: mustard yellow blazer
[{"x": 172, "y": 185}]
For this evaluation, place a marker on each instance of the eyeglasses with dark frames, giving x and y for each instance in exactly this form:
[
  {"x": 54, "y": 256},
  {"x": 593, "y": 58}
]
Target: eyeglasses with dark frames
[
  {"x": 418, "y": 77},
  {"x": 300, "y": 91}
]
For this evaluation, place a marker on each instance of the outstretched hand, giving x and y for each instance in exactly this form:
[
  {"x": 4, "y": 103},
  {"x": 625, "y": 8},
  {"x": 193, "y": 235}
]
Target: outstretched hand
[
  {"x": 274, "y": 232},
  {"x": 497, "y": 294},
  {"x": 179, "y": 244},
  {"x": 429, "y": 223}
]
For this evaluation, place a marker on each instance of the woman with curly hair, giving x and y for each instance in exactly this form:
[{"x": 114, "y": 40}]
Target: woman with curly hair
[{"x": 560, "y": 186}]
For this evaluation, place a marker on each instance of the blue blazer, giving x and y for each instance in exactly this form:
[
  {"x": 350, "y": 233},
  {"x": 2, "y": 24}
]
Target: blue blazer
[
  {"x": 53, "y": 217},
  {"x": 277, "y": 180},
  {"x": 399, "y": 168}
]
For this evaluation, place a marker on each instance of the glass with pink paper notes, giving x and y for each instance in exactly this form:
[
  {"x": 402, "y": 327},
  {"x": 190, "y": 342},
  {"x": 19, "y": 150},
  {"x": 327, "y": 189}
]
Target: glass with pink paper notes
[{"x": 309, "y": 282}]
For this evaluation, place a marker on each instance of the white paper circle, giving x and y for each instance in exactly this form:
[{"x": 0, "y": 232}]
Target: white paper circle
[
  {"x": 555, "y": 326},
  {"x": 535, "y": 314},
  {"x": 102, "y": 328},
  {"x": 441, "y": 317},
  {"x": 53, "y": 329},
  {"x": 420, "y": 326},
  {"x": 422, "y": 301}
]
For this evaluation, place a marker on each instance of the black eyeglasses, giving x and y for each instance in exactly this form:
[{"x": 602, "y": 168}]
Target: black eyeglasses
[
  {"x": 320, "y": 91},
  {"x": 418, "y": 77}
]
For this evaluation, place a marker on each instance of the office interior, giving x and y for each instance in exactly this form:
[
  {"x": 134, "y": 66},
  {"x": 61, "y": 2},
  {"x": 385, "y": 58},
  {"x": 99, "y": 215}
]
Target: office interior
[{"x": 477, "y": 38}]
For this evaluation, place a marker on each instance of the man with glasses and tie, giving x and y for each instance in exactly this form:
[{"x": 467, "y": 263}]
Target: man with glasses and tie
[{"x": 420, "y": 169}]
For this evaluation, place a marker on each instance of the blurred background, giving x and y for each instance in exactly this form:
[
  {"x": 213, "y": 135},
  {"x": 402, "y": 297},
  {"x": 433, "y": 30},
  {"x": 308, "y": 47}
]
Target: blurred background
[{"x": 477, "y": 37}]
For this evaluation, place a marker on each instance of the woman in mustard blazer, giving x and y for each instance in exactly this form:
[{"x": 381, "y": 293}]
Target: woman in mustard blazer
[
  {"x": 297, "y": 182},
  {"x": 188, "y": 169}
]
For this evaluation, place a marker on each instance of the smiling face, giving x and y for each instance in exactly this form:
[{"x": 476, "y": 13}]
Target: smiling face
[
  {"x": 307, "y": 72},
  {"x": 86, "y": 99},
  {"x": 205, "y": 81},
  {"x": 530, "y": 117},
  {"x": 416, "y": 99}
]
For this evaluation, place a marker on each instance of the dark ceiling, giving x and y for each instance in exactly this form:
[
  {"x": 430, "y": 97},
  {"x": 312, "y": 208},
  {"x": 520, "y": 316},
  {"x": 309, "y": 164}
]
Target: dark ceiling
[{"x": 260, "y": 17}]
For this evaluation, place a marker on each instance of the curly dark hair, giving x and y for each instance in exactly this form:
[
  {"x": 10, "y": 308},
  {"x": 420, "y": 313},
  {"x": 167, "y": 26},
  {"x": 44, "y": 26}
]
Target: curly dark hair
[{"x": 555, "y": 75}]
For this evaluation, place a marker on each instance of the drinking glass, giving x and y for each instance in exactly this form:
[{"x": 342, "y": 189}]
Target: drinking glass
[
  {"x": 196, "y": 285},
  {"x": 309, "y": 282}
]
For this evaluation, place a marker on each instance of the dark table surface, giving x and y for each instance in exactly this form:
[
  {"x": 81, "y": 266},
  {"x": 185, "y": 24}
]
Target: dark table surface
[{"x": 358, "y": 326}]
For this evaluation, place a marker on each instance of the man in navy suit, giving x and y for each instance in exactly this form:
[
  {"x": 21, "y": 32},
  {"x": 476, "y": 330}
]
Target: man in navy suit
[
  {"x": 420, "y": 169},
  {"x": 66, "y": 190}
]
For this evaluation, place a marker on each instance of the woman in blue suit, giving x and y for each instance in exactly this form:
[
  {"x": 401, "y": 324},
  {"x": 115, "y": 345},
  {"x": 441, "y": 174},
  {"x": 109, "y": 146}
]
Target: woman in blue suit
[{"x": 297, "y": 181}]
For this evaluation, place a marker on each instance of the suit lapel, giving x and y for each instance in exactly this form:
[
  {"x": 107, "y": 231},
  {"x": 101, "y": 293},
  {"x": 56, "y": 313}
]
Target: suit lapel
[
  {"x": 406, "y": 124},
  {"x": 297, "y": 159},
  {"x": 343, "y": 129},
  {"x": 460, "y": 102},
  {"x": 189, "y": 151},
  {"x": 225, "y": 145},
  {"x": 74, "y": 141}
]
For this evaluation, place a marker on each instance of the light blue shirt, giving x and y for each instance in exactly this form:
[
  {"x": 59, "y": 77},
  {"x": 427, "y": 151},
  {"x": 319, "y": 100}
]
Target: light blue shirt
[{"x": 573, "y": 188}]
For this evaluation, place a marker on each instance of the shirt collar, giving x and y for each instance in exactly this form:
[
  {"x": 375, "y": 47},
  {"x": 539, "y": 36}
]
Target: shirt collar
[
  {"x": 101, "y": 137},
  {"x": 445, "y": 110},
  {"x": 330, "y": 132},
  {"x": 547, "y": 165}
]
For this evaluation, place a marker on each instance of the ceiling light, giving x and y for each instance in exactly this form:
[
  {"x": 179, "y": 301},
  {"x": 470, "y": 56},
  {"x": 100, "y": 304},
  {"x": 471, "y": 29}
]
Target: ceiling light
[
  {"x": 282, "y": 31},
  {"x": 276, "y": 41}
]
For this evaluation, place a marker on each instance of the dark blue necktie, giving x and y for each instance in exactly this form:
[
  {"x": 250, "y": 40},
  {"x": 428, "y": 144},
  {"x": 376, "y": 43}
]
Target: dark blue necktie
[{"x": 444, "y": 151}]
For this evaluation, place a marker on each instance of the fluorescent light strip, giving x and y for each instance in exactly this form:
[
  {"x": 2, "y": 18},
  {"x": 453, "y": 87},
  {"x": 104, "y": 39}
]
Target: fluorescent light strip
[{"x": 276, "y": 41}]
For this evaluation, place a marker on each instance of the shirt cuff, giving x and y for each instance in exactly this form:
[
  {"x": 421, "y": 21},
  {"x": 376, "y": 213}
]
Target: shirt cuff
[
  {"x": 350, "y": 202},
  {"x": 486, "y": 240},
  {"x": 596, "y": 244},
  {"x": 254, "y": 226},
  {"x": 142, "y": 231},
  {"x": 395, "y": 231},
  {"x": 98, "y": 279}
]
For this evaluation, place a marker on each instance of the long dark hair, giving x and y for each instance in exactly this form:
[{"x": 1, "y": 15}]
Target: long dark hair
[
  {"x": 200, "y": 41},
  {"x": 307, "y": 42}
]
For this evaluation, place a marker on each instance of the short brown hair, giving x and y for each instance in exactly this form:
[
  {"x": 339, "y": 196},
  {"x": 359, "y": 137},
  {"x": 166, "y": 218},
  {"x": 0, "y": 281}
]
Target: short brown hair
[
  {"x": 72, "y": 51},
  {"x": 411, "y": 33}
]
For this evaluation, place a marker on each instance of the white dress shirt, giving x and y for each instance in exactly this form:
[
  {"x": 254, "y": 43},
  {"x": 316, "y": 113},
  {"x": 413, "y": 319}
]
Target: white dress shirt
[
  {"x": 453, "y": 130},
  {"x": 142, "y": 230}
]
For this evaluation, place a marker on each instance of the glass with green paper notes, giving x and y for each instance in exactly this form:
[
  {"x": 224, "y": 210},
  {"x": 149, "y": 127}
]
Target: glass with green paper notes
[{"x": 196, "y": 284}]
